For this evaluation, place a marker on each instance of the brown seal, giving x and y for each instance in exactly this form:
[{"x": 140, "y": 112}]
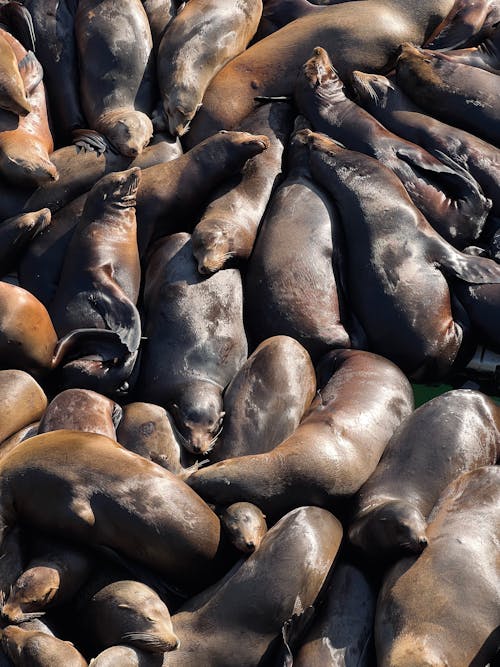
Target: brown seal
[
  {"x": 94, "y": 306},
  {"x": 266, "y": 399},
  {"x": 364, "y": 35},
  {"x": 28, "y": 648},
  {"x": 387, "y": 102},
  {"x": 374, "y": 210},
  {"x": 17, "y": 233},
  {"x": 228, "y": 228},
  {"x": 129, "y": 612},
  {"x": 247, "y": 610},
  {"x": 13, "y": 96},
  {"x": 27, "y": 336},
  {"x": 82, "y": 410},
  {"x": 201, "y": 39},
  {"x": 196, "y": 341},
  {"x": 22, "y": 401},
  {"x": 245, "y": 525},
  {"x": 148, "y": 430},
  {"x": 126, "y": 656},
  {"x": 292, "y": 282},
  {"x": 442, "y": 608},
  {"x": 116, "y": 71},
  {"x": 92, "y": 485},
  {"x": 342, "y": 631},
  {"x": 461, "y": 95},
  {"x": 452, "y": 433},
  {"x": 442, "y": 190},
  {"x": 52, "y": 577},
  {"x": 332, "y": 453},
  {"x": 160, "y": 13},
  {"x": 20, "y": 436}
]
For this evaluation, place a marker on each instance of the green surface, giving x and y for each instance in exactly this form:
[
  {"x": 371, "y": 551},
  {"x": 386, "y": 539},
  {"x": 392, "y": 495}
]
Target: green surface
[{"x": 426, "y": 392}]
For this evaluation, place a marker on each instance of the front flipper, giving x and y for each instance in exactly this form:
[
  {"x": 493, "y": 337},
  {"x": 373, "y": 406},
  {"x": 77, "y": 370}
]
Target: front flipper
[
  {"x": 90, "y": 140},
  {"x": 464, "y": 21},
  {"x": 468, "y": 268},
  {"x": 31, "y": 72}
]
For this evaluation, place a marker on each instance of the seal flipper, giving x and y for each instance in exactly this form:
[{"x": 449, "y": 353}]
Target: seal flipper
[
  {"x": 31, "y": 72},
  {"x": 281, "y": 650},
  {"x": 90, "y": 140},
  {"x": 19, "y": 23},
  {"x": 460, "y": 26},
  {"x": 468, "y": 268}
]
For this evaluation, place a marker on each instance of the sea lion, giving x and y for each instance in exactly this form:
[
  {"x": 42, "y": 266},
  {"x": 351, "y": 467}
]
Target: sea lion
[
  {"x": 245, "y": 525},
  {"x": 201, "y": 39},
  {"x": 462, "y": 95},
  {"x": 452, "y": 433},
  {"x": 116, "y": 71},
  {"x": 390, "y": 295},
  {"x": 387, "y": 102},
  {"x": 249, "y": 607},
  {"x": 23, "y": 434},
  {"x": 13, "y": 96},
  {"x": 292, "y": 281},
  {"x": 126, "y": 656},
  {"x": 22, "y": 401},
  {"x": 341, "y": 634},
  {"x": 228, "y": 228},
  {"x": 266, "y": 399},
  {"x": 148, "y": 430},
  {"x": 332, "y": 452},
  {"x": 442, "y": 608},
  {"x": 165, "y": 202},
  {"x": 160, "y": 13},
  {"x": 16, "y": 234},
  {"x": 196, "y": 342},
  {"x": 26, "y": 141},
  {"x": 444, "y": 192},
  {"x": 363, "y": 35},
  {"x": 98, "y": 290},
  {"x": 36, "y": 649},
  {"x": 129, "y": 612},
  {"x": 27, "y": 336},
  {"x": 82, "y": 410},
  {"x": 466, "y": 23},
  {"x": 86, "y": 487},
  {"x": 51, "y": 577},
  {"x": 481, "y": 303}
]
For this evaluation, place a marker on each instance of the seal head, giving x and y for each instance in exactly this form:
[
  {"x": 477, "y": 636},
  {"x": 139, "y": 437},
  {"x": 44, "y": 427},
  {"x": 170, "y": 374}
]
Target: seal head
[{"x": 127, "y": 130}]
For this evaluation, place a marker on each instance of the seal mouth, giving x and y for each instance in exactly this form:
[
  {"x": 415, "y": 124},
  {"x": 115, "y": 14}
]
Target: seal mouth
[{"x": 151, "y": 643}]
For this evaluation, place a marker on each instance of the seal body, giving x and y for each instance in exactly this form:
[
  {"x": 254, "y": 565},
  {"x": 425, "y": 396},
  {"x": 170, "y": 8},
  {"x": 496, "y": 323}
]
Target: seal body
[
  {"x": 264, "y": 582},
  {"x": 228, "y": 228},
  {"x": 13, "y": 96},
  {"x": 455, "y": 432},
  {"x": 462, "y": 95},
  {"x": 394, "y": 288},
  {"x": 332, "y": 452},
  {"x": 266, "y": 399},
  {"x": 17, "y": 233},
  {"x": 196, "y": 340},
  {"x": 22, "y": 401},
  {"x": 116, "y": 68},
  {"x": 419, "y": 617},
  {"x": 37, "y": 649},
  {"x": 93, "y": 500},
  {"x": 127, "y": 656},
  {"x": 364, "y": 35},
  {"x": 200, "y": 40}
]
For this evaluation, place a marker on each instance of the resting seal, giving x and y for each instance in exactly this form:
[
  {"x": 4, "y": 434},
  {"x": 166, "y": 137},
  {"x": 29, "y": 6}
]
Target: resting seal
[
  {"x": 80, "y": 486},
  {"x": 452, "y": 433},
  {"x": 17, "y": 233},
  {"x": 13, "y": 96},
  {"x": 332, "y": 452},
  {"x": 442, "y": 608},
  {"x": 245, "y": 525},
  {"x": 22, "y": 401},
  {"x": 28, "y": 648}
]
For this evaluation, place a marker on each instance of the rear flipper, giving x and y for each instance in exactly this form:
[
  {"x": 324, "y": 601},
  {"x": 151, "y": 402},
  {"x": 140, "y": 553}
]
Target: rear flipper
[
  {"x": 90, "y": 140},
  {"x": 31, "y": 72},
  {"x": 467, "y": 268},
  {"x": 461, "y": 25}
]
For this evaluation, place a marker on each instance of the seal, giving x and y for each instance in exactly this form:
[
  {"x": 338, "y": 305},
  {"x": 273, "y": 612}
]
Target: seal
[
  {"x": 98, "y": 290},
  {"x": 196, "y": 341},
  {"x": 23, "y": 434},
  {"x": 425, "y": 606},
  {"x": 462, "y": 95},
  {"x": 201, "y": 39},
  {"x": 160, "y": 13},
  {"x": 442, "y": 190},
  {"x": 165, "y": 201},
  {"x": 51, "y": 578},
  {"x": 225, "y": 629},
  {"x": 266, "y": 399},
  {"x": 364, "y": 36},
  {"x": 22, "y": 401},
  {"x": 387, "y": 102},
  {"x": 79, "y": 485},
  {"x": 481, "y": 302},
  {"x": 392, "y": 507},
  {"x": 245, "y": 526},
  {"x": 370, "y": 199},
  {"x": 126, "y": 656},
  {"x": 228, "y": 228},
  {"x": 148, "y": 430},
  {"x": 129, "y": 612},
  {"x": 37, "y": 649},
  {"x": 465, "y": 25},
  {"x": 292, "y": 285},
  {"x": 17, "y": 233},
  {"x": 342, "y": 631},
  {"x": 82, "y": 410},
  {"x": 11, "y": 561},
  {"x": 332, "y": 453},
  {"x": 27, "y": 336},
  {"x": 117, "y": 92},
  {"x": 13, "y": 96}
]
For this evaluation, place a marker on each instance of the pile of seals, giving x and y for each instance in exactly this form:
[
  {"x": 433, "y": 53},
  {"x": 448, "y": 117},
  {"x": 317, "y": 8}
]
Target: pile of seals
[{"x": 260, "y": 222}]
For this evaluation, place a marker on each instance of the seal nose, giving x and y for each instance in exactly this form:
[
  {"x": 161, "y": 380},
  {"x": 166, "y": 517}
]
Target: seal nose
[
  {"x": 250, "y": 546},
  {"x": 423, "y": 542}
]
